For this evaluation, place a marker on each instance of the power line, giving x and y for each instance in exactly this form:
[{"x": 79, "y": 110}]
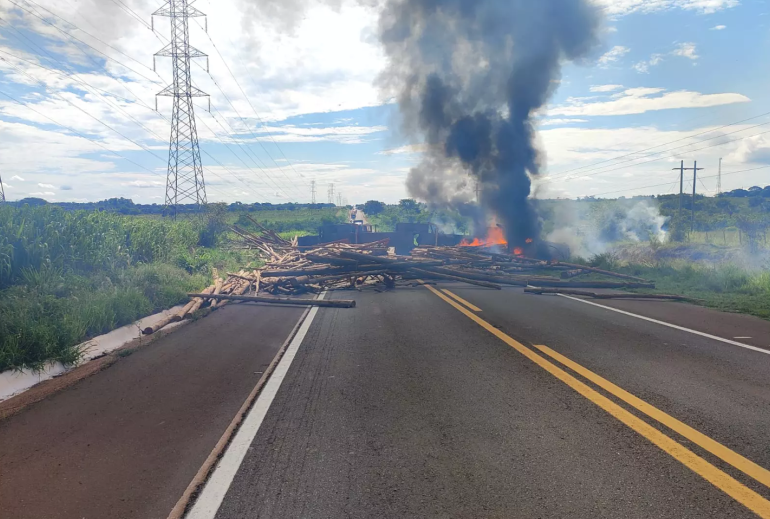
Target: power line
[
  {"x": 604, "y": 170},
  {"x": 82, "y": 136},
  {"x": 83, "y": 42},
  {"x": 83, "y": 82},
  {"x": 667, "y": 183},
  {"x": 545, "y": 181},
  {"x": 565, "y": 173},
  {"x": 246, "y": 150},
  {"x": 248, "y": 100}
]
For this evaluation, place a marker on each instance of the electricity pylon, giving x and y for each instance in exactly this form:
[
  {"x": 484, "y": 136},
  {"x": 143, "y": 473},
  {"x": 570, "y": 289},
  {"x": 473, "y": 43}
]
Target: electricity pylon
[{"x": 184, "y": 181}]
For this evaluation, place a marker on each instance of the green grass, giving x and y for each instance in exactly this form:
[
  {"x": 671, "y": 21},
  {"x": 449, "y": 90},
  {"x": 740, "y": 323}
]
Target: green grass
[
  {"x": 45, "y": 318},
  {"x": 725, "y": 286}
]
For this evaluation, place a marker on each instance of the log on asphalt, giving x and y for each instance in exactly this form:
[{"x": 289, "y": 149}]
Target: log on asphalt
[{"x": 332, "y": 303}]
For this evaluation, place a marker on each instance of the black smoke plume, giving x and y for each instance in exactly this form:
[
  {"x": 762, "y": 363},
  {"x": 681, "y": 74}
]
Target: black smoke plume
[{"x": 469, "y": 75}]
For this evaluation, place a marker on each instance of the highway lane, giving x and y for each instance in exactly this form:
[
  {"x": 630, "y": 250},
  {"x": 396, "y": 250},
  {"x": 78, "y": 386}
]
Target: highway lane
[
  {"x": 125, "y": 442},
  {"x": 408, "y": 406}
]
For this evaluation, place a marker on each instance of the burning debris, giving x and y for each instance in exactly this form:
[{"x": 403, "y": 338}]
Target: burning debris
[{"x": 469, "y": 77}]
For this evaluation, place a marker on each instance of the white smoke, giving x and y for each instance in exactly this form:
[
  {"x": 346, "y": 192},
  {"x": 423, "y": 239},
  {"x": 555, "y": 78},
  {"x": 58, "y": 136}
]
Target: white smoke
[{"x": 591, "y": 228}]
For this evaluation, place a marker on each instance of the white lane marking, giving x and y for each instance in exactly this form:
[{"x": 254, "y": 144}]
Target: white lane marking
[
  {"x": 742, "y": 337},
  {"x": 696, "y": 332},
  {"x": 213, "y": 493}
]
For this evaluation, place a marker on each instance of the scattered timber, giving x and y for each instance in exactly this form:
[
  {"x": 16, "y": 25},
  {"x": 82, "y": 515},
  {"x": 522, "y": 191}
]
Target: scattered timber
[
  {"x": 595, "y": 295},
  {"x": 331, "y": 303},
  {"x": 604, "y": 272}
]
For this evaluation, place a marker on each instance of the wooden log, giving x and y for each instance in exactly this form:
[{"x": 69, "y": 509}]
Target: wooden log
[
  {"x": 567, "y": 274},
  {"x": 331, "y": 303},
  {"x": 184, "y": 311},
  {"x": 589, "y": 284},
  {"x": 319, "y": 271},
  {"x": 307, "y": 280},
  {"x": 431, "y": 274},
  {"x": 330, "y": 260},
  {"x": 171, "y": 318},
  {"x": 250, "y": 279},
  {"x": 398, "y": 261},
  {"x": 600, "y": 271},
  {"x": 505, "y": 280},
  {"x": 566, "y": 291},
  {"x": 199, "y": 301}
]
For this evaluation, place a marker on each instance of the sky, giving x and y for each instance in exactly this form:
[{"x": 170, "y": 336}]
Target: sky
[{"x": 295, "y": 102}]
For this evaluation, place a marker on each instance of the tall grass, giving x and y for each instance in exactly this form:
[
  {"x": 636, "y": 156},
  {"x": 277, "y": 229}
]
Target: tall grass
[
  {"x": 67, "y": 276},
  {"x": 724, "y": 286}
]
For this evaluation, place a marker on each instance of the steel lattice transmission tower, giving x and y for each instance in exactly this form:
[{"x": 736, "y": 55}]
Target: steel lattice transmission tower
[
  {"x": 184, "y": 183},
  {"x": 2, "y": 191}
]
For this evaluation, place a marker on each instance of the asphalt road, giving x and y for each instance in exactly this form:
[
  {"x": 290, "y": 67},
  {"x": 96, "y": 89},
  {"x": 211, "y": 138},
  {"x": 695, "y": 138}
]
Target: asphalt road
[
  {"x": 408, "y": 407},
  {"x": 126, "y": 442},
  {"x": 417, "y": 403}
]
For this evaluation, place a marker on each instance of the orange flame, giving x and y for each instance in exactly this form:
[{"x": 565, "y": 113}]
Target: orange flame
[
  {"x": 529, "y": 240},
  {"x": 494, "y": 237},
  {"x": 518, "y": 251}
]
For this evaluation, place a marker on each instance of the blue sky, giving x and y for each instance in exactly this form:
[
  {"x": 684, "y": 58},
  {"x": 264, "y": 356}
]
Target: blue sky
[{"x": 77, "y": 93}]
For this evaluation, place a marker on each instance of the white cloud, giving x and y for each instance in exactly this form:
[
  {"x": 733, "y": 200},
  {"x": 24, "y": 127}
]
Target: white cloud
[
  {"x": 605, "y": 88},
  {"x": 408, "y": 149},
  {"x": 625, "y": 7},
  {"x": 643, "y": 67},
  {"x": 143, "y": 183},
  {"x": 561, "y": 122},
  {"x": 641, "y": 100},
  {"x": 686, "y": 50},
  {"x": 751, "y": 150},
  {"x": 42, "y": 193},
  {"x": 341, "y": 134},
  {"x": 17, "y": 177},
  {"x": 613, "y": 55},
  {"x": 46, "y": 186},
  {"x": 719, "y": 28}
]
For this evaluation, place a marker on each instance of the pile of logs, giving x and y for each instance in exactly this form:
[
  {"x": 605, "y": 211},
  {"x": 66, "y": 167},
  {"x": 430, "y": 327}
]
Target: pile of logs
[
  {"x": 494, "y": 266},
  {"x": 290, "y": 271}
]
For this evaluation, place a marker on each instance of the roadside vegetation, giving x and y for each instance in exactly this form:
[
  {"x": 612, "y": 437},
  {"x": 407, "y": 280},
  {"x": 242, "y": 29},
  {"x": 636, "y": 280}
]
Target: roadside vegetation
[{"x": 724, "y": 286}]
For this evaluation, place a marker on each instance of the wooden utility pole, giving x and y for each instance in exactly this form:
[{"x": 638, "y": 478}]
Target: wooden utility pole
[
  {"x": 695, "y": 170},
  {"x": 719, "y": 178},
  {"x": 681, "y": 187}
]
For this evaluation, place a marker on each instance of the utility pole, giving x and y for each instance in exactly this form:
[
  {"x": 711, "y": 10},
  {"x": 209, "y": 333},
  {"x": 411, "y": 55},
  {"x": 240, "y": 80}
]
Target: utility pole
[
  {"x": 478, "y": 191},
  {"x": 312, "y": 192},
  {"x": 339, "y": 199},
  {"x": 184, "y": 181},
  {"x": 2, "y": 192},
  {"x": 695, "y": 169},
  {"x": 719, "y": 178},
  {"x": 681, "y": 187}
]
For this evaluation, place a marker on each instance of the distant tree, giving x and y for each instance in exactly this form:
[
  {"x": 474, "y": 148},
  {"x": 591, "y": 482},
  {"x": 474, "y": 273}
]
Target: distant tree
[
  {"x": 409, "y": 205},
  {"x": 374, "y": 207},
  {"x": 33, "y": 202},
  {"x": 739, "y": 193}
]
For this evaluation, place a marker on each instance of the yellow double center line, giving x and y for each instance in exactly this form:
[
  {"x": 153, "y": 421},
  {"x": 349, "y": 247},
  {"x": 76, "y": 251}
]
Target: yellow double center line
[{"x": 700, "y": 466}]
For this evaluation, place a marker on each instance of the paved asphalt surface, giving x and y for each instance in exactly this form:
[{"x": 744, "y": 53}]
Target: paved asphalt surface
[
  {"x": 406, "y": 406},
  {"x": 126, "y": 442}
]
